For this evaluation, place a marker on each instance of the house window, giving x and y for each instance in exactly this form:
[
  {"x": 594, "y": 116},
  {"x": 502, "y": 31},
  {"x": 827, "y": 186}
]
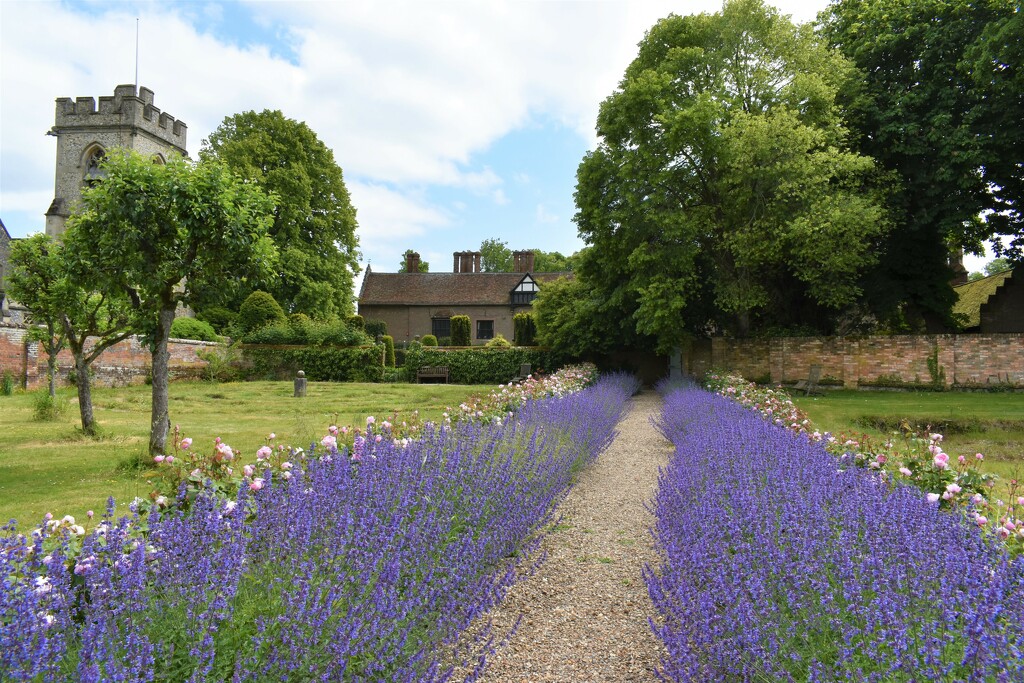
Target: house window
[
  {"x": 525, "y": 292},
  {"x": 441, "y": 327},
  {"x": 485, "y": 329}
]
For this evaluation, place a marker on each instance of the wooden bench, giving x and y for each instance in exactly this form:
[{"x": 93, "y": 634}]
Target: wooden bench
[
  {"x": 524, "y": 373},
  {"x": 432, "y": 373},
  {"x": 810, "y": 385}
]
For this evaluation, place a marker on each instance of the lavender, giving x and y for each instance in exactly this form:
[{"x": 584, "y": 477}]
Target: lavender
[
  {"x": 777, "y": 564},
  {"x": 346, "y": 570}
]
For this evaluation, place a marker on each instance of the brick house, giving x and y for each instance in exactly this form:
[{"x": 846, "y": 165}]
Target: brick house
[{"x": 414, "y": 304}]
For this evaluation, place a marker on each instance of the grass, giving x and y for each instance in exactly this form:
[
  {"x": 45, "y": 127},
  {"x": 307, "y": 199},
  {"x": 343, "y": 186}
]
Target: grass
[
  {"x": 52, "y": 467},
  {"x": 988, "y": 423}
]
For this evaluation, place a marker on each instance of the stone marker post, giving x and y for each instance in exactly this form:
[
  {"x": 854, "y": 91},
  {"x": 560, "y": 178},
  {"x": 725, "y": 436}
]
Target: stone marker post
[{"x": 300, "y": 384}]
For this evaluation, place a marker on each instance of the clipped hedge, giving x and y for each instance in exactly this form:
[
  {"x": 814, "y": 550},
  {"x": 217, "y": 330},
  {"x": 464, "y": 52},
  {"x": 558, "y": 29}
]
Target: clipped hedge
[
  {"x": 321, "y": 364},
  {"x": 480, "y": 365}
]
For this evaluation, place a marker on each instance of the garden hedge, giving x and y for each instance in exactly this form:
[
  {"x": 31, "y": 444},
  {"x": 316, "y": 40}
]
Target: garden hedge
[
  {"x": 480, "y": 365},
  {"x": 321, "y": 364}
]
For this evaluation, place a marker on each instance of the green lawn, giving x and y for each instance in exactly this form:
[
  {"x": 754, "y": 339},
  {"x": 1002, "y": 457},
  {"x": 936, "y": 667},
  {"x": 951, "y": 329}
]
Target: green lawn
[
  {"x": 51, "y": 467},
  {"x": 988, "y": 423}
]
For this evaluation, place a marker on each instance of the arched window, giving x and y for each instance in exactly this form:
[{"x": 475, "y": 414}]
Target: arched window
[
  {"x": 91, "y": 160},
  {"x": 158, "y": 159}
]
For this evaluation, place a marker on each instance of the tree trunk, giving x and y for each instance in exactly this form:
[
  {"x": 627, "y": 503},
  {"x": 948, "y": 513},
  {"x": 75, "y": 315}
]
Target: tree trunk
[
  {"x": 160, "y": 423},
  {"x": 51, "y": 372},
  {"x": 84, "y": 394}
]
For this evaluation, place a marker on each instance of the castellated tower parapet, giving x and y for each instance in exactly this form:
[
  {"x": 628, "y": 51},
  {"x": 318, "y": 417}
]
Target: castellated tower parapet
[{"x": 86, "y": 132}]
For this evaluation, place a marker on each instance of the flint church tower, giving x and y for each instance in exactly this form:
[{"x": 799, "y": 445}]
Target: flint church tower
[{"x": 86, "y": 133}]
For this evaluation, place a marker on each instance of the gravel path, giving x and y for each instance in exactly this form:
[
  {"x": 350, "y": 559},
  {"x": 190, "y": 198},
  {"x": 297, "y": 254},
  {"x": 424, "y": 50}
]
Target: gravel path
[{"x": 585, "y": 610}]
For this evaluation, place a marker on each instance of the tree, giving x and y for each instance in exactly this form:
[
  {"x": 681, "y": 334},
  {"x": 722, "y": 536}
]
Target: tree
[
  {"x": 932, "y": 109},
  {"x": 314, "y": 222},
  {"x": 722, "y": 192},
  {"x": 995, "y": 62},
  {"x": 169, "y": 235},
  {"x": 40, "y": 282},
  {"x": 49, "y": 280},
  {"x": 424, "y": 266},
  {"x": 997, "y": 266},
  {"x": 496, "y": 257},
  {"x": 552, "y": 262}
]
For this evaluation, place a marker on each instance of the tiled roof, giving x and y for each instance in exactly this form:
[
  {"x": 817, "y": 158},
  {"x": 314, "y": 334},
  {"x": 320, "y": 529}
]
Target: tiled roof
[
  {"x": 443, "y": 289},
  {"x": 972, "y": 295}
]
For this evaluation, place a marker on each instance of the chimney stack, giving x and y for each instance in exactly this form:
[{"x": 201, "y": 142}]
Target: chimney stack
[
  {"x": 466, "y": 262},
  {"x": 522, "y": 261},
  {"x": 412, "y": 262}
]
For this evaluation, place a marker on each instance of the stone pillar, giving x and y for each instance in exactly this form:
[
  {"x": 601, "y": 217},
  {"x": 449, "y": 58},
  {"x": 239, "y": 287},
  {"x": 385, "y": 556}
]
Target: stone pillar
[{"x": 300, "y": 384}]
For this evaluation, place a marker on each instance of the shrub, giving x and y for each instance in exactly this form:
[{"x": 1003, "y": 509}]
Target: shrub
[
  {"x": 7, "y": 383},
  {"x": 480, "y": 365},
  {"x": 220, "y": 318},
  {"x": 222, "y": 363},
  {"x": 429, "y": 340},
  {"x": 389, "y": 351},
  {"x": 299, "y": 321},
  {"x": 48, "y": 408},
  {"x": 498, "y": 342},
  {"x": 323, "y": 364},
  {"x": 460, "y": 330},
  {"x": 846, "y": 575},
  {"x": 191, "y": 328},
  {"x": 356, "y": 321},
  {"x": 376, "y": 327},
  {"x": 279, "y": 333},
  {"x": 525, "y": 329},
  {"x": 258, "y": 310}
]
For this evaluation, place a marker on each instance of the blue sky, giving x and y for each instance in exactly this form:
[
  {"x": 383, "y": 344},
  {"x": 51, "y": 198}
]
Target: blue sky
[{"x": 454, "y": 121}]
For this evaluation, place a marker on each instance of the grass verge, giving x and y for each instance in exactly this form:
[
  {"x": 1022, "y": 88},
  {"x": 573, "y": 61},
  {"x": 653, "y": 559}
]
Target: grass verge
[
  {"x": 53, "y": 467},
  {"x": 988, "y": 423}
]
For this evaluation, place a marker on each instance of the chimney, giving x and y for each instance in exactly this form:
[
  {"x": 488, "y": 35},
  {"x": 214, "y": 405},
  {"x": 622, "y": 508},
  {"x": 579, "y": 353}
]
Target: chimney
[
  {"x": 412, "y": 262},
  {"x": 466, "y": 262},
  {"x": 522, "y": 261}
]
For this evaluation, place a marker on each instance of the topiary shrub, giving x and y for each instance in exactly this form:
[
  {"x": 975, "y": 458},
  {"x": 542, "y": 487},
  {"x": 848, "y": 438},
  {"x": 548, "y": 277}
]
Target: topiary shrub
[
  {"x": 460, "y": 330},
  {"x": 498, "y": 341},
  {"x": 191, "y": 328},
  {"x": 389, "y": 351},
  {"x": 376, "y": 327},
  {"x": 525, "y": 327},
  {"x": 357, "y": 322},
  {"x": 258, "y": 310},
  {"x": 429, "y": 340}
]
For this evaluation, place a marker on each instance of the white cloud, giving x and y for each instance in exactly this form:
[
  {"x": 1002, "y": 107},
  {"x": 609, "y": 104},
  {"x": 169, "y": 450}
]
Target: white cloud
[
  {"x": 545, "y": 216},
  {"x": 391, "y": 222}
]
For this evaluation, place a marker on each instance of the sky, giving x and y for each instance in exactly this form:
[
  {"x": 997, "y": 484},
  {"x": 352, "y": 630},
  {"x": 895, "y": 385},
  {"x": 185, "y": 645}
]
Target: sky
[{"x": 454, "y": 121}]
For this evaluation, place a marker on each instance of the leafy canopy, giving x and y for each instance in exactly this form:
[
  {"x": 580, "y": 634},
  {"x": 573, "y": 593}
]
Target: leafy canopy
[
  {"x": 164, "y": 235},
  {"x": 723, "y": 192},
  {"x": 940, "y": 107},
  {"x": 314, "y": 222}
]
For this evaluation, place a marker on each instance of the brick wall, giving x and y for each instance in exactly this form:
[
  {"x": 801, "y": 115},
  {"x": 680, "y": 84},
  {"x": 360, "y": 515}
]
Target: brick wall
[
  {"x": 964, "y": 359},
  {"x": 125, "y": 363}
]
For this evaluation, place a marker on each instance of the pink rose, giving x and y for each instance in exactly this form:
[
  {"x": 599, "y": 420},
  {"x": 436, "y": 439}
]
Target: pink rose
[
  {"x": 185, "y": 443},
  {"x": 264, "y": 452},
  {"x": 256, "y": 484},
  {"x": 247, "y": 471},
  {"x": 158, "y": 459}
]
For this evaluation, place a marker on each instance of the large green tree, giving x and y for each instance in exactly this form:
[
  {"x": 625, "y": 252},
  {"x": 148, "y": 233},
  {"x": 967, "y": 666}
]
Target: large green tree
[
  {"x": 723, "y": 192},
  {"x": 940, "y": 106},
  {"x": 170, "y": 235},
  {"x": 314, "y": 224}
]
